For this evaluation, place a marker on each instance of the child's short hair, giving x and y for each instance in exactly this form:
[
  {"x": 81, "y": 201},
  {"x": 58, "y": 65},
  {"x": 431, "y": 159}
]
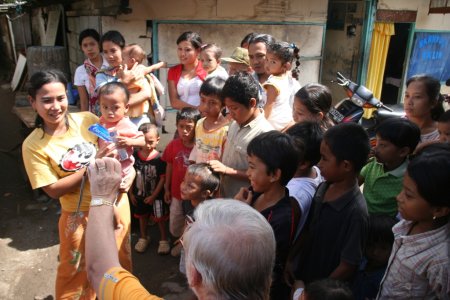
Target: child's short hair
[
  {"x": 214, "y": 48},
  {"x": 149, "y": 127},
  {"x": 213, "y": 86},
  {"x": 136, "y": 52},
  {"x": 188, "y": 113},
  {"x": 430, "y": 170},
  {"x": 328, "y": 289},
  {"x": 380, "y": 230},
  {"x": 110, "y": 87},
  {"x": 348, "y": 141},
  {"x": 400, "y": 132},
  {"x": 210, "y": 179},
  {"x": 89, "y": 32},
  {"x": 311, "y": 134},
  {"x": 241, "y": 87},
  {"x": 277, "y": 151},
  {"x": 445, "y": 117}
]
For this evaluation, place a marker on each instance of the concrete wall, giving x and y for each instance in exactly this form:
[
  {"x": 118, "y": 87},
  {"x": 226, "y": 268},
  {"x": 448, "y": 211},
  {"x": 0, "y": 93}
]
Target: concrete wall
[{"x": 424, "y": 20}]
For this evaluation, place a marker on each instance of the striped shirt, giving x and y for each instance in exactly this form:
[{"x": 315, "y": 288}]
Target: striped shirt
[{"x": 419, "y": 265}]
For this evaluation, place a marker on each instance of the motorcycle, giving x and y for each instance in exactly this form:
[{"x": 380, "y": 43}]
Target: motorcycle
[{"x": 362, "y": 107}]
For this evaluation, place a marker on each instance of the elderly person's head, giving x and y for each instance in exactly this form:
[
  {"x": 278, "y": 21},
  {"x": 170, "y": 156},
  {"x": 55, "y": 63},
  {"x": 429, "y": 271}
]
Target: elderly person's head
[{"x": 230, "y": 251}]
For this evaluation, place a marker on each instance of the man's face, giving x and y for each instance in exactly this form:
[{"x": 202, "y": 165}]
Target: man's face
[{"x": 257, "y": 54}]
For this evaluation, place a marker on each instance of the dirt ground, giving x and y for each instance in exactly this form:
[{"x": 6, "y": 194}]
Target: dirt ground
[{"x": 28, "y": 229}]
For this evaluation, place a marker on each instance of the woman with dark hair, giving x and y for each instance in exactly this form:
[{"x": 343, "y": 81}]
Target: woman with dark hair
[
  {"x": 184, "y": 80},
  {"x": 423, "y": 105},
  {"x": 84, "y": 79},
  {"x": 56, "y": 155}
]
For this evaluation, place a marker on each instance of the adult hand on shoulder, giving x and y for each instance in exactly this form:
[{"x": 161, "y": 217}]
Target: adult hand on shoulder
[
  {"x": 217, "y": 166},
  {"x": 105, "y": 178}
]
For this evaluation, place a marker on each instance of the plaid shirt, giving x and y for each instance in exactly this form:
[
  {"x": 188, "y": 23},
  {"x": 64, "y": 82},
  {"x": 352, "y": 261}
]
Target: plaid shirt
[{"x": 419, "y": 265}]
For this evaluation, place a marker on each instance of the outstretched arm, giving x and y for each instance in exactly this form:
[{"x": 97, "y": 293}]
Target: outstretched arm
[{"x": 101, "y": 248}]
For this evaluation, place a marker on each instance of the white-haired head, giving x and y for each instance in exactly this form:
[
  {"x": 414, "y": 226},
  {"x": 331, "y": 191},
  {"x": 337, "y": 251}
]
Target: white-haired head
[{"x": 232, "y": 247}]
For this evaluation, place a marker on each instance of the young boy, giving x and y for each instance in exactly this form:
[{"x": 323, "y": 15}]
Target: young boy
[
  {"x": 142, "y": 92},
  {"x": 307, "y": 178},
  {"x": 210, "y": 131},
  {"x": 199, "y": 184},
  {"x": 148, "y": 189},
  {"x": 336, "y": 231},
  {"x": 273, "y": 159},
  {"x": 239, "y": 61},
  {"x": 176, "y": 155},
  {"x": 240, "y": 94},
  {"x": 444, "y": 127},
  {"x": 113, "y": 99},
  {"x": 383, "y": 175}
]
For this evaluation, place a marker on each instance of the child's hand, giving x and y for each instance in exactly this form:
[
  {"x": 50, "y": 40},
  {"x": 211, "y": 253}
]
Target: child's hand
[
  {"x": 122, "y": 142},
  {"x": 149, "y": 200},
  {"x": 217, "y": 166},
  {"x": 109, "y": 150},
  {"x": 167, "y": 196},
  {"x": 244, "y": 195}
]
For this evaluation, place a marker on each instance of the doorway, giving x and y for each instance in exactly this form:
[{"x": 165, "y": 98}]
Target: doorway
[{"x": 395, "y": 64}]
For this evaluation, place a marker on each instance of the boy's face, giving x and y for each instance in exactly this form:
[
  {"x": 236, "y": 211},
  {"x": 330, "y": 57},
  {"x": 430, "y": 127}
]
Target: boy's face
[
  {"x": 186, "y": 130},
  {"x": 151, "y": 140},
  {"x": 444, "y": 132},
  {"x": 127, "y": 59},
  {"x": 387, "y": 153},
  {"x": 210, "y": 106},
  {"x": 191, "y": 188},
  {"x": 113, "y": 106},
  {"x": 257, "y": 174},
  {"x": 209, "y": 61},
  {"x": 329, "y": 167},
  {"x": 239, "y": 112}
]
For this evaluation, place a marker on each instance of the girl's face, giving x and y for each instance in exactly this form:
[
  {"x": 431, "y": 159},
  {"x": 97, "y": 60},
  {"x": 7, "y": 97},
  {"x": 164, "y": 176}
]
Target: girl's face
[
  {"x": 411, "y": 205},
  {"x": 209, "y": 60},
  {"x": 113, "y": 106},
  {"x": 112, "y": 53},
  {"x": 51, "y": 103},
  {"x": 210, "y": 106},
  {"x": 301, "y": 113},
  {"x": 417, "y": 104},
  {"x": 274, "y": 65},
  {"x": 187, "y": 54},
  {"x": 90, "y": 47}
]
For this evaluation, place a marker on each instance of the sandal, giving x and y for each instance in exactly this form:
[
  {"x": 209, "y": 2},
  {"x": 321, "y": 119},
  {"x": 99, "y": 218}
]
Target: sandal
[
  {"x": 164, "y": 248},
  {"x": 141, "y": 245}
]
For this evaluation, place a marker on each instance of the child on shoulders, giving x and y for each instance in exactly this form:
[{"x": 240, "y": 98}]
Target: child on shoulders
[
  {"x": 272, "y": 160},
  {"x": 211, "y": 130},
  {"x": 383, "y": 175},
  {"x": 279, "y": 87},
  {"x": 333, "y": 240},
  {"x": 147, "y": 193},
  {"x": 210, "y": 58},
  {"x": 419, "y": 264}
]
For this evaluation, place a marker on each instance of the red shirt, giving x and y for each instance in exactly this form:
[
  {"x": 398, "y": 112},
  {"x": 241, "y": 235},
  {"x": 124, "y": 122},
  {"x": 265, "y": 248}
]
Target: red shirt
[
  {"x": 177, "y": 154},
  {"x": 175, "y": 72}
]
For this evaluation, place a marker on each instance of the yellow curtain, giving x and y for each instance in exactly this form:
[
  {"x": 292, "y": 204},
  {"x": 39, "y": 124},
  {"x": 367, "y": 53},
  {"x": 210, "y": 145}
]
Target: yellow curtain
[{"x": 381, "y": 37}]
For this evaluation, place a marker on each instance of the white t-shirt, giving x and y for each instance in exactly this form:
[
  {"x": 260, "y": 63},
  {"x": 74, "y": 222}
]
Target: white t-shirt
[
  {"x": 81, "y": 77},
  {"x": 281, "y": 114},
  {"x": 189, "y": 90},
  {"x": 303, "y": 190}
]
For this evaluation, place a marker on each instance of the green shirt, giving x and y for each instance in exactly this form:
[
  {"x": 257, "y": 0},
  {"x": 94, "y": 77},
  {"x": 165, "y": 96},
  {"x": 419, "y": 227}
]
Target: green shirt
[{"x": 381, "y": 188}]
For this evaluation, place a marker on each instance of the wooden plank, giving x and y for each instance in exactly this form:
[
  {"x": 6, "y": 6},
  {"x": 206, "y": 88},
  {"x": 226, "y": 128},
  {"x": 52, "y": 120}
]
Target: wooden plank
[
  {"x": 396, "y": 16},
  {"x": 28, "y": 116}
]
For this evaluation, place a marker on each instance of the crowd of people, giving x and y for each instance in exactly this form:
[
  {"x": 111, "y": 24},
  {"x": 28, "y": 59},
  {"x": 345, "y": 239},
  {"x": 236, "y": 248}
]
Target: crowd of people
[{"x": 265, "y": 197}]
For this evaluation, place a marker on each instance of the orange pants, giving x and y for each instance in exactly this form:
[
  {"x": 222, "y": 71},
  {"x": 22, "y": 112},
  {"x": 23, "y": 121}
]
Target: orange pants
[{"x": 71, "y": 276}]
